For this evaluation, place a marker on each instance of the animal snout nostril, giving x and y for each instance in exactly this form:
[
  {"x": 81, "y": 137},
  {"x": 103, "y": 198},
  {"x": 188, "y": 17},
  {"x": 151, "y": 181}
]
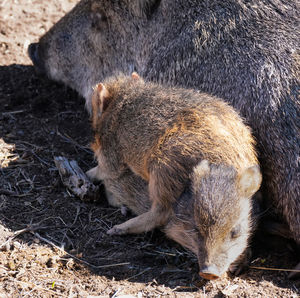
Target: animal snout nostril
[
  {"x": 209, "y": 276},
  {"x": 34, "y": 55},
  {"x": 209, "y": 272}
]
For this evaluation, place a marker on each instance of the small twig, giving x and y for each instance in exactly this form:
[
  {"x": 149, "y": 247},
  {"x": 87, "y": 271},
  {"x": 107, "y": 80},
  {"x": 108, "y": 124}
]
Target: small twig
[
  {"x": 40, "y": 159},
  {"x": 116, "y": 293},
  {"x": 109, "y": 265},
  {"x": 13, "y": 112},
  {"x": 136, "y": 275},
  {"x": 74, "y": 257},
  {"x": 30, "y": 229},
  {"x": 185, "y": 288},
  {"x": 274, "y": 269},
  {"x": 76, "y": 216},
  {"x": 7, "y": 192},
  {"x": 15, "y": 234},
  {"x": 23, "y": 195},
  {"x": 68, "y": 139},
  {"x": 36, "y": 147},
  {"x": 165, "y": 253}
]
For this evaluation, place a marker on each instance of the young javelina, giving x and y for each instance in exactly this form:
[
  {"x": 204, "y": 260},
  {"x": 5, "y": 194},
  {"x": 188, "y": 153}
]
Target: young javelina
[{"x": 193, "y": 154}]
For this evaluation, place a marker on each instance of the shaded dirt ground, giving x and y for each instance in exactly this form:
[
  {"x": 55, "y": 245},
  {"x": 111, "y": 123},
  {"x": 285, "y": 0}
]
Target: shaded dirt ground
[{"x": 52, "y": 244}]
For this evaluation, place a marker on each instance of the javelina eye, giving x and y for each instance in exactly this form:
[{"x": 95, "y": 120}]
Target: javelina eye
[{"x": 235, "y": 232}]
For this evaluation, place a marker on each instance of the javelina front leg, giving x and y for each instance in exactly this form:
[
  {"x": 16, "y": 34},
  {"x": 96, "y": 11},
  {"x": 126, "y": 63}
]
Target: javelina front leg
[
  {"x": 93, "y": 174},
  {"x": 145, "y": 222},
  {"x": 156, "y": 216},
  {"x": 97, "y": 174}
]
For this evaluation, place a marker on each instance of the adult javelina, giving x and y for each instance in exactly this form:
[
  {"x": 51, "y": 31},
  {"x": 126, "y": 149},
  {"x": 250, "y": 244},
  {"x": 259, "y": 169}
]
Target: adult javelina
[
  {"x": 196, "y": 156},
  {"x": 246, "y": 52}
]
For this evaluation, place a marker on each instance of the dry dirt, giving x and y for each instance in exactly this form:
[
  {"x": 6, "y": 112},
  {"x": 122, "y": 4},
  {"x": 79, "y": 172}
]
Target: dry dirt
[{"x": 51, "y": 243}]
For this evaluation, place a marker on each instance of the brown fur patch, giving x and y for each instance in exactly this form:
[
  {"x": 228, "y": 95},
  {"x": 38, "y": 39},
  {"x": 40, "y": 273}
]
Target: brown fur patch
[
  {"x": 161, "y": 134},
  {"x": 96, "y": 144}
]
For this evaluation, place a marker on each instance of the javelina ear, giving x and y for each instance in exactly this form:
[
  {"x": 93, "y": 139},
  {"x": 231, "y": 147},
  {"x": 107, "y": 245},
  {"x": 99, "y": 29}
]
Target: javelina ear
[
  {"x": 249, "y": 181},
  {"x": 98, "y": 16},
  {"x": 100, "y": 101},
  {"x": 103, "y": 96},
  {"x": 201, "y": 170},
  {"x": 136, "y": 77}
]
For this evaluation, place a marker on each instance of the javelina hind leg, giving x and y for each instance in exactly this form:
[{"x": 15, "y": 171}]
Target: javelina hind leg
[
  {"x": 95, "y": 175},
  {"x": 145, "y": 222}
]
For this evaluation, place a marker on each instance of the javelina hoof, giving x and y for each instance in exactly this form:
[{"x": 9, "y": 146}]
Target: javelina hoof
[
  {"x": 116, "y": 231},
  {"x": 124, "y": 210}
]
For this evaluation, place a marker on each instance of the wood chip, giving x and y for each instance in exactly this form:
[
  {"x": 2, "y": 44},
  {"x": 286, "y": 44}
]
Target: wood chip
[{"x": 76, "y": 180}]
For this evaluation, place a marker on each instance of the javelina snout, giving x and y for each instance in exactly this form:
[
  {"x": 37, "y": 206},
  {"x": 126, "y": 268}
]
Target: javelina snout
[{"x": 34, "y": 53}]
